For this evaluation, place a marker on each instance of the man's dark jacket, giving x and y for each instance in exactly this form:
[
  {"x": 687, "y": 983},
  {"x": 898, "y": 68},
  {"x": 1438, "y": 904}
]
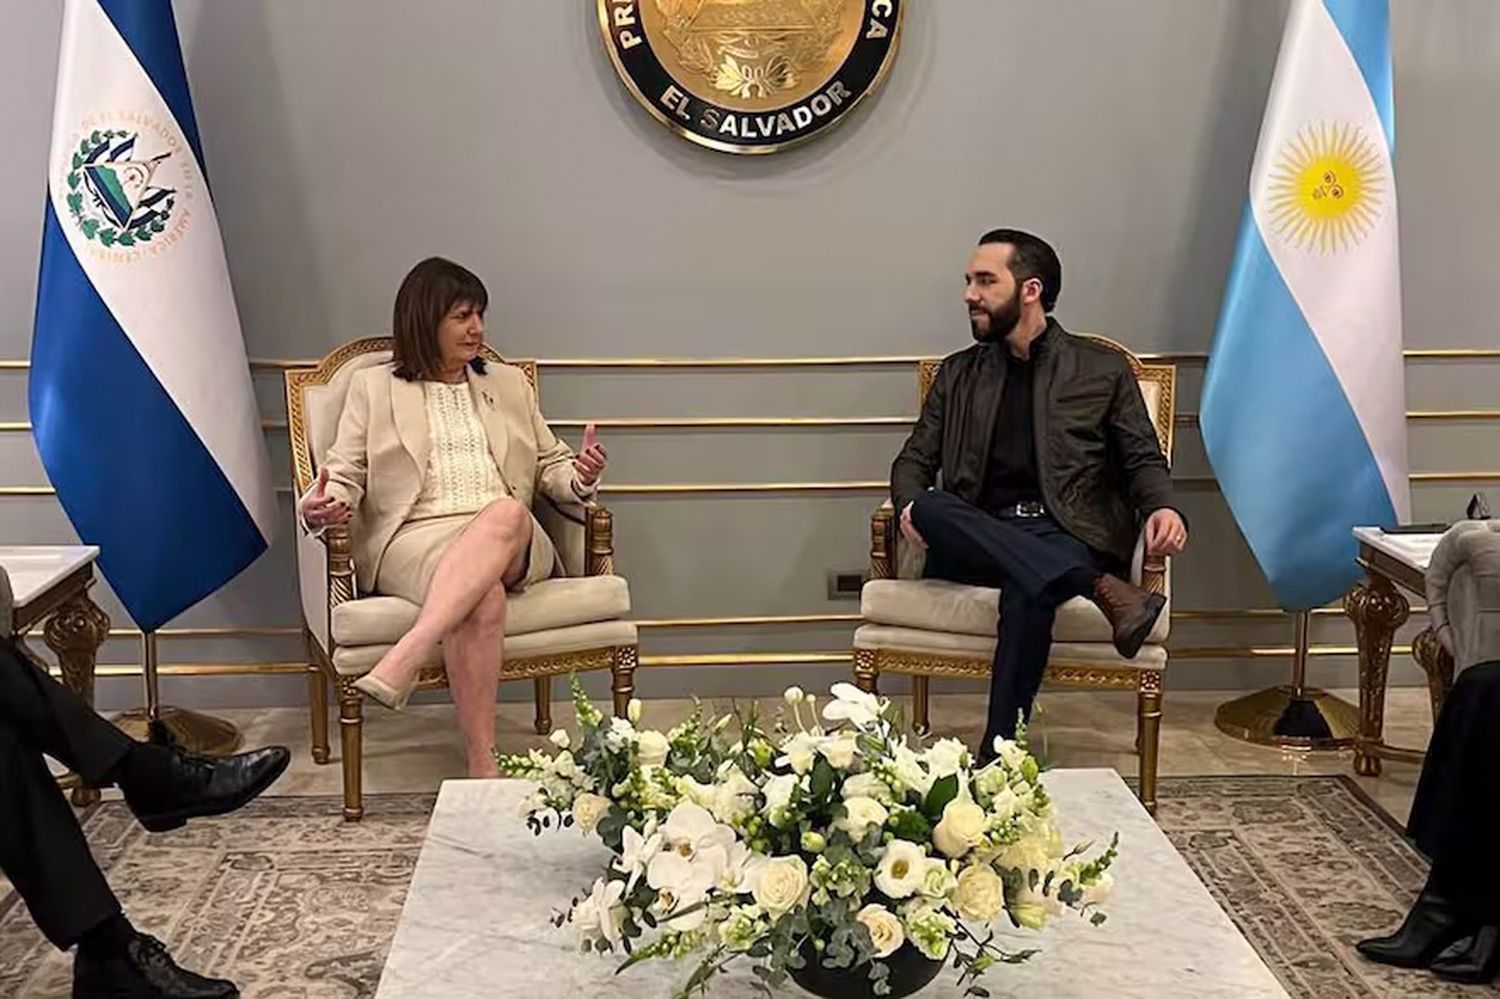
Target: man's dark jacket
[{"x": 1099, "y": 463}]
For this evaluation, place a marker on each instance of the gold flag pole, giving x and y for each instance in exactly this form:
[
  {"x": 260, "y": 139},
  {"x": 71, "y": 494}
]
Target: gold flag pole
[
  {"x": 189, "y": 730},
  {"x": 1294, "y": 716}
]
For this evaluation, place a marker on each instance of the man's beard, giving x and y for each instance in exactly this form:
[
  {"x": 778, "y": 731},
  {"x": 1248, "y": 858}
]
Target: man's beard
[{"x": 1002, "y": 319}]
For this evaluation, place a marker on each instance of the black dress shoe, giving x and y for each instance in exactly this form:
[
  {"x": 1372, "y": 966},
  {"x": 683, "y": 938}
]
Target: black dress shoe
[
  {"x": 142, "y": 969},
  {"x": 1474, "y": 961},
  {"x": 199, "y": 785},
  {"x": 1432, "y": 925}
]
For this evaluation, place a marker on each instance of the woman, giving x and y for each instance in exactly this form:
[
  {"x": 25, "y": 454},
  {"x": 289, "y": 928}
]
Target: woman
[
  {"x": 437, "y": 459},
  {"x": 1453, "y": 928}
]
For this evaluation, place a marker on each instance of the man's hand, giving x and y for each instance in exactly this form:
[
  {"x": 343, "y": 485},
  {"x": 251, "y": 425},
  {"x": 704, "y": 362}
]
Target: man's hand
[
  {"x": 910, "y": 531},
  {"x": 589, "y": 464},
  {"x": 320, "y": 510},
  {"x": 1166, "y": 534}
]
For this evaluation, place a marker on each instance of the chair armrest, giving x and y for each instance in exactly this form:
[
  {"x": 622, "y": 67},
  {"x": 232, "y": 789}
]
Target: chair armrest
[
  {"x": 1154, "y": 574},
  {"x": 325, "y": 576},
  {"x": 599, "y": 541},
  {"x": 883, "y": 542}
]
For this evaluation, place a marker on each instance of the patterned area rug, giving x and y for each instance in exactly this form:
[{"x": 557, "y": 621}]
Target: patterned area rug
[
  {"x": 292, "y": 903},
  {"x": 1305, "y": 866},
  {"x": 283, "y": 897}
]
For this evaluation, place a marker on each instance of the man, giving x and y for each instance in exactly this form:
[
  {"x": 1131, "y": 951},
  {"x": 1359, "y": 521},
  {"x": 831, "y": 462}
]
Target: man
[
  {"x": 43, "y": 851},
  {"x": 1031, "y": 468}
]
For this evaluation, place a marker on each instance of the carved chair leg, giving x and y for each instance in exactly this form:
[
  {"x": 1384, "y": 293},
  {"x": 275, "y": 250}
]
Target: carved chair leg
[
  {"x": 866, "y": 671},
  {"x": 1148, "y": 735},
  {"x": 351, "y": 733},
  {"x": 543, "y": 686},
  {"x": 623, "y": 678},
  {"x": 920, "y": 723},
  {"x": 317, "y": 707}
]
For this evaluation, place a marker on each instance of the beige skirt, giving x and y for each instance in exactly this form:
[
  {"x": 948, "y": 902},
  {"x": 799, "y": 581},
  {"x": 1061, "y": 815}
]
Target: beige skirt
[{"x": 411, "y": 559}]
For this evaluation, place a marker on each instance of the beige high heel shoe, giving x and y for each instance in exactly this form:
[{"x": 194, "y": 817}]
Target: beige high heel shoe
[{"x": 378, "y": 690}]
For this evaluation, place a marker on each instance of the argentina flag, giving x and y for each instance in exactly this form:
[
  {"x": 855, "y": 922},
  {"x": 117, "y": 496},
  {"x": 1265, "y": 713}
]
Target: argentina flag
[
  {"x": 1303, "y": 406},
  {"x": 139, "y": 391}
]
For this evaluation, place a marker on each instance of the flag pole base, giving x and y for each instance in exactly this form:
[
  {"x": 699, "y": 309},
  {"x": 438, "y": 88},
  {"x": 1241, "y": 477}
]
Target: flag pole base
[
  {"x": 1315, "y": 719},
  {"x": 197, "y": 733}
]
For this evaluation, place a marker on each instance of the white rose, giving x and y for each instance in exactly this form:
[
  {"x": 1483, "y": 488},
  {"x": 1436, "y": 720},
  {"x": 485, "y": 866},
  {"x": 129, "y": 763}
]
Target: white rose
[
  {"x": 945, "y": 757},
  {"x": 781, "y": 885},
  {"x": 560, "y": 738},
  {"x": 885, "y": 929},
  {"x": 980, "y": 894},
  {"x": 862, "y": 814},
  {"x": 839, "y": 750},
  {"x": 866, "y": 785},
  {"x": 938, "y": 881},
  {"x": 961, "y": 828},
  {"x": 588, "y": 809},
  {"x": 901, "y": 869},
  {"x": 652, "y": 748}
]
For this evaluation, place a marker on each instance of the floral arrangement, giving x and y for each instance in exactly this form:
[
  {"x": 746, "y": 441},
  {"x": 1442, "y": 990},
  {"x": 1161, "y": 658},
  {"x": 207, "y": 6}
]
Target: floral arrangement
[{"x": 839, "y": 844}]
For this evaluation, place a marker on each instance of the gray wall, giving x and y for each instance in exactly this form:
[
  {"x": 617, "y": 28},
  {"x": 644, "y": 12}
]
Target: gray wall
[{"x": 347, "y": 138}]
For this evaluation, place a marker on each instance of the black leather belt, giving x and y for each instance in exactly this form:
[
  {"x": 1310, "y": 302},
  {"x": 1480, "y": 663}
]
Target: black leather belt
[{"x": 1025, "y": 510}]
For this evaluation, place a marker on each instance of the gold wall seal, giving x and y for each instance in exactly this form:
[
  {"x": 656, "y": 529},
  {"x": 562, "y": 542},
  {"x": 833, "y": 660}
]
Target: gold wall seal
[{"x": 751, "y": 76}]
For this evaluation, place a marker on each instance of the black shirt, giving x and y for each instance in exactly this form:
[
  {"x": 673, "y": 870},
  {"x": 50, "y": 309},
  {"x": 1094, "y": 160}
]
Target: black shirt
[{"x": 1011, "y": 475}]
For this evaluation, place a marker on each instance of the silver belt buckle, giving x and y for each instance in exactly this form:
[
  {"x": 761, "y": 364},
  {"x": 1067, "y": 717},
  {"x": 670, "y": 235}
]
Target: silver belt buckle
[{"x": 1030, "y": 509}]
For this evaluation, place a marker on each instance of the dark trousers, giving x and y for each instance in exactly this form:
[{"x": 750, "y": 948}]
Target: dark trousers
[
  {"x": 1457, "y": 808},
  {"x": 42, "y": 849},
  {"x": 1036, "y": 565}
]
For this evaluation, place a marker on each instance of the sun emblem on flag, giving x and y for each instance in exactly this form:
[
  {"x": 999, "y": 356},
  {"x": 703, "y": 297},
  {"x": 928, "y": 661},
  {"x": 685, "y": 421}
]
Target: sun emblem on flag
[
  {"x": 1327, "y": 188},
  {"x": 112, "y": 191}
]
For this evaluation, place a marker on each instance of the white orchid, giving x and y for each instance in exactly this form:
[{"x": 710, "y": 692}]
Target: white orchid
[
  {"x": 636, "y": 852},
  {"x": 681, "y": 884},
  {"x": 600, "y": 916},
  {"x": 853, "y": 705},
  {"x": 799, "y": 752},
  {"x": 690, "y": 830},
  {"x": 739, "y": 873},
  {"x": 839, "y": 750},
  {"x": 910, "y": 771}
]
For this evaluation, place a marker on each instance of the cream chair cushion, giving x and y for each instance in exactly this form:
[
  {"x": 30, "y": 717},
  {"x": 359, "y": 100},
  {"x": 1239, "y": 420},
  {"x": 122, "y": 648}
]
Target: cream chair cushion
[
  {"x": 358, "y": 660},
  {"x": 951, "y": 645},
  {"x": 545, "y": 606},
  {"x": 939, "y": 605}
]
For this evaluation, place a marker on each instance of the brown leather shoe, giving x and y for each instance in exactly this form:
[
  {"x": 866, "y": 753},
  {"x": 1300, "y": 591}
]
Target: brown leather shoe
[{"x": 1131, "y": 611}]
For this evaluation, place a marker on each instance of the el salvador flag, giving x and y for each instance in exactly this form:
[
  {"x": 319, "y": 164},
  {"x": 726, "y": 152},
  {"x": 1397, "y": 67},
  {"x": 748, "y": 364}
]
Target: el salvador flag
[
  {"x": 140, "y": 391},
  {"x": 1303, "y": 410}
]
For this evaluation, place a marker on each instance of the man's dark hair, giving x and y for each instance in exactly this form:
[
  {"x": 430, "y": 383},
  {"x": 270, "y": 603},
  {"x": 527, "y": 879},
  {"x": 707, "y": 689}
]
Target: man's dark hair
[{"x": 1031, "y": 257}]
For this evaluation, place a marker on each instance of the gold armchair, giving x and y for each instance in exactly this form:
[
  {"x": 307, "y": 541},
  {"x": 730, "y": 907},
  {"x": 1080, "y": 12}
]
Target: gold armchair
[
  {"x": 925, "y": 628},
  {"x": 558, "y": 626}
]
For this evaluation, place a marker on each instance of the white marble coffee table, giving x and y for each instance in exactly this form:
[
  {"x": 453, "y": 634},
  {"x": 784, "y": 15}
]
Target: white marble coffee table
[{"x": 475, "y": 923}]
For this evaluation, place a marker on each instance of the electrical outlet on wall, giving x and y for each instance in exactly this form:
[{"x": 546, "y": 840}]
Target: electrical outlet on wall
[{"x": 845, "y": 585}]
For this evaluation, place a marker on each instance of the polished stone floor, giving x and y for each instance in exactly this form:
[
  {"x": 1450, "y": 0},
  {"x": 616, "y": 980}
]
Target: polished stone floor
[{"x": 416, "y": 749}]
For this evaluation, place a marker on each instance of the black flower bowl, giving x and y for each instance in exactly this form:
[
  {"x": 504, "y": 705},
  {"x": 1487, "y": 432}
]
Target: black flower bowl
[{"x": 911, "y": 971}]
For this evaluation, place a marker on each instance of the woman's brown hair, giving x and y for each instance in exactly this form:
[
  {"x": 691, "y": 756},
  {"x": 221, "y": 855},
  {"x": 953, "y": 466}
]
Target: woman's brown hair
[{"x": 427, "y": 293}]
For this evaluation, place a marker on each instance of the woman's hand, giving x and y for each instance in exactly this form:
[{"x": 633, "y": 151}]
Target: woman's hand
[
  {"x": 319, "y": 510},
  {"x": 590, "y": 463}
]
